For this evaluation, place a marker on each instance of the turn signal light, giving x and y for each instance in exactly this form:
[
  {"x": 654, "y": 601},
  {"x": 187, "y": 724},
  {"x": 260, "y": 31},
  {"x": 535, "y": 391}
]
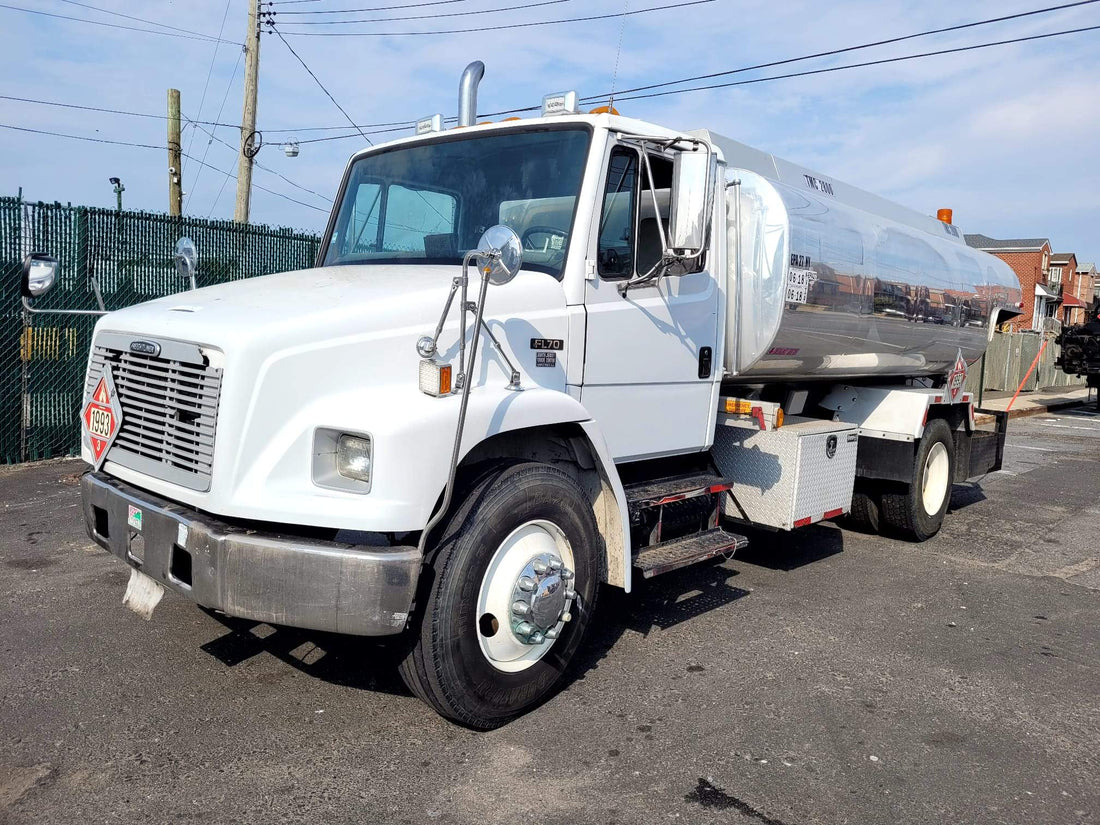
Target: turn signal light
[
  {"x": 779, "y": 418},
  {"x": 435, "y": 378}
]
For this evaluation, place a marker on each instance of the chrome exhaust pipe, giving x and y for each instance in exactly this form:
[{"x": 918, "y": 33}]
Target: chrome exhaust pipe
[{"x": 467, "y": 93}]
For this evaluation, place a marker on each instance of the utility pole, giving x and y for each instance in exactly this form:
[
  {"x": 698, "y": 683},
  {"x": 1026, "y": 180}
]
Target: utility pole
[
  {"x": 175, "y": 170},
  {"x": 248, "y": 115}
]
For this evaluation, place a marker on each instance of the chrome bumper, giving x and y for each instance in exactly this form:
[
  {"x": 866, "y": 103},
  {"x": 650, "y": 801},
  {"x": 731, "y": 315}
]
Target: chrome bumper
[{"x": 268, "y": 577}]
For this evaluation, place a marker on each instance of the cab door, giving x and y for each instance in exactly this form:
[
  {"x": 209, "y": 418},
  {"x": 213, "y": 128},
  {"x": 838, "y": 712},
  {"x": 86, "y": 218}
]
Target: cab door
[{"x": 651, "y": 353}]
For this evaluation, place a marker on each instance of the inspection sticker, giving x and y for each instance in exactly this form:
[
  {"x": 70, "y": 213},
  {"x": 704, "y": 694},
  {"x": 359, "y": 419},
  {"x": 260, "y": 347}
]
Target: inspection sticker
[
  {"x": 133, "y": 517},
  {"x": 798, "y": 284}
]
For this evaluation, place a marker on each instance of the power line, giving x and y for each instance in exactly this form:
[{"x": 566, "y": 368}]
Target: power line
[
  {"x": 507, "y": 25},
  {"x": 235, "y": 149},
  {"x": 206, "y": 85},
  {"x": 131, "y": 17},
  {"x": 881, "y": 62},
  {"x": 151, "y": 146},
  {"x": 195, "y": 124},
  {"x": 422, "y": 16},
  {"x": 80, "y": 137},
  {"x": 356, "y": 11},
  {"x": 262, "y": 188},
  {"x": 834, "y": 52},
  {"x": 61, "y": 105},
  {"x": 194, "y": 36},
  {"x": 322, "y": 85}
]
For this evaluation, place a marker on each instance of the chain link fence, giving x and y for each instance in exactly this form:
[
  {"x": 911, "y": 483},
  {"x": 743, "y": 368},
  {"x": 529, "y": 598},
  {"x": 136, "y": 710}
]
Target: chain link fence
[{"x": 129, "y": 257}]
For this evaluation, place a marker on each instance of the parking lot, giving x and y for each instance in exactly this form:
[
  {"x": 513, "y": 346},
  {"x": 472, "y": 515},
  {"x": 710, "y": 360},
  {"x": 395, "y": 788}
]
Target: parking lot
[{"x": 821, "y": 677}]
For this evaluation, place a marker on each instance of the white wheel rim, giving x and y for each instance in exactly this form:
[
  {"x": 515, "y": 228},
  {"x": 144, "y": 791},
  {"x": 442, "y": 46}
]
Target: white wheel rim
[
  {"x": 503, "y": 649},
  {"x": 936, "y": 480}
]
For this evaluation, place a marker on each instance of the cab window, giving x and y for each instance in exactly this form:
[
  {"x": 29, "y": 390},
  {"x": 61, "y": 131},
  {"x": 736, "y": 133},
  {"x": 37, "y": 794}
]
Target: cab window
[{"x": 615, "y": 254}]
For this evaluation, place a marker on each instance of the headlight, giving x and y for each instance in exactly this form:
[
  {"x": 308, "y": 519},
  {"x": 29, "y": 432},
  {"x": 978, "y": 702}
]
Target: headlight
[
  {"x": 342, "y": 461},
  {"x": 353, "y": 457}
]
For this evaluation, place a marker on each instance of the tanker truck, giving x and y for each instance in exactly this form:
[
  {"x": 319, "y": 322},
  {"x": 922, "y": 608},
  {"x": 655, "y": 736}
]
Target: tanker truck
[{"x": 535, "y": 358}]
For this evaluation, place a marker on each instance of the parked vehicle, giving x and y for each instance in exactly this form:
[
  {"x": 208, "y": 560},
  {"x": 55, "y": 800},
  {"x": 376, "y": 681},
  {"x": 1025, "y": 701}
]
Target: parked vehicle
[
  {"x": 1081, "y": 349},
  {"x": 648, "y": 337}
]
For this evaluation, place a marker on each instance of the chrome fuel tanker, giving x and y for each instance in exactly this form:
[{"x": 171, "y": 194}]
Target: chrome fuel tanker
[{"x": 834, "y": 282}]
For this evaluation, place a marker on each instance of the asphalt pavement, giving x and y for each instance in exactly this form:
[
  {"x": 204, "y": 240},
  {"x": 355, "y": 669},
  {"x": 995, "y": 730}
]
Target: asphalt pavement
[{"x": 825, "y": 676}]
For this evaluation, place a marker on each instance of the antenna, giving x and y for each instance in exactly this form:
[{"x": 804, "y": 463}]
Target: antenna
[{"x": 618, "y": 51}]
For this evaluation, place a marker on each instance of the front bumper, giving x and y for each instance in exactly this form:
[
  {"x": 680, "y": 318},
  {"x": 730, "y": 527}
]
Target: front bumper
[{"x": 268, "y": 577}]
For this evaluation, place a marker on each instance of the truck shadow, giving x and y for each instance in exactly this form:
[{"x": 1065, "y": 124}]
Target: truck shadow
[
  {"x": 660, "y": 603},
  {"x": 348, "y": 661}
]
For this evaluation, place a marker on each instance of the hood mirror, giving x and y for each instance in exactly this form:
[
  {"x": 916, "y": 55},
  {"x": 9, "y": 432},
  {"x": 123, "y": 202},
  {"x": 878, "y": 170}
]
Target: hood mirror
[
  {"x": 39, "y": 274},
  {"x": 186, "y": 259},
  {"x": 500, "y": 254}
]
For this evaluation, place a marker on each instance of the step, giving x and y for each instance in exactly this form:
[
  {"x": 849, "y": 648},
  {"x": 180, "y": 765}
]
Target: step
[
  {"x": 671, "y": 555},
  {"x": 658, "y": 491}
]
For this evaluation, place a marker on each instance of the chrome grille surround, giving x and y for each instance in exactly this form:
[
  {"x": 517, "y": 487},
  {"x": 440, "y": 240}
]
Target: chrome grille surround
[{"x": 169, "y": 406}]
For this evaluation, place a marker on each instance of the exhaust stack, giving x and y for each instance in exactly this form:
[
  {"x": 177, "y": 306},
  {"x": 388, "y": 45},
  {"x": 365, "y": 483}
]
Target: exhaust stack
[{"x": 467, "y": 93}]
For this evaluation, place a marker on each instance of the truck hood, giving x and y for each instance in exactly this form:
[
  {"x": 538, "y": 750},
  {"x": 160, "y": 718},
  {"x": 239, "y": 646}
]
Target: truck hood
[{"x": 294, "y": 307}]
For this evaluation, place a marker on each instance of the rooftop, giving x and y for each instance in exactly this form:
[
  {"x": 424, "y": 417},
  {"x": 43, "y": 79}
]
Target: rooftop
[
  {"x": 1006, "y": 245},
  {"x": 1062, "y": 257}
]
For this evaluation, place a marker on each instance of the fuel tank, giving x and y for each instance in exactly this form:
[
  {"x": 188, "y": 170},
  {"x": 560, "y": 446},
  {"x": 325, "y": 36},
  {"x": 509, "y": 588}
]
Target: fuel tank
[{"x": 826, "y": 281}]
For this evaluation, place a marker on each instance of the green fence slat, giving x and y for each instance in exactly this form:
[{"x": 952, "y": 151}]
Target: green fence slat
[{"x": 130, "y": 253}]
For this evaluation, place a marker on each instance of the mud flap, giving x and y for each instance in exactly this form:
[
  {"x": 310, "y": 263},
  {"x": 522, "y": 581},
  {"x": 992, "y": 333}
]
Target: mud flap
[{"x": 143, "y": 594}]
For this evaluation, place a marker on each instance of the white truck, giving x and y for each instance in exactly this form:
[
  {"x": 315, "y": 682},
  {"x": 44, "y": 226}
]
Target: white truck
[{"x": 536, "y": 357}]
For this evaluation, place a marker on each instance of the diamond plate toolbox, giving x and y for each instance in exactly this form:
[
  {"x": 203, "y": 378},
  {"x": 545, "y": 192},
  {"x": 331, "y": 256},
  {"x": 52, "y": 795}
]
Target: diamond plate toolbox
[{"x": 803, "y": 470}]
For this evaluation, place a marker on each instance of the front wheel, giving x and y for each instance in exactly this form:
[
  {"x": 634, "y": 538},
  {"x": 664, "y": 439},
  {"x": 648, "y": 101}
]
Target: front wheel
[{"x": 513, "y": 586}]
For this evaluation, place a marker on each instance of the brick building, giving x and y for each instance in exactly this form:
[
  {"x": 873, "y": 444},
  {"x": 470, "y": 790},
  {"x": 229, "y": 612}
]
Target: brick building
[
  {"x": 1085, "y": 287},
  {"x": 1029, "y": 258}
]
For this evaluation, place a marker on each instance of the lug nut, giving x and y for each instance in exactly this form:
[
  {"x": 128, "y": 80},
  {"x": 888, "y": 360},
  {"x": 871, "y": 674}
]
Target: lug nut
[
  {"x": 570, "y": 595},
  {"x": 521, "y": 608},
  {"x": 552, "y": 633},
  {"x": 565, "y": 617},
  {"x": 537, "y": 638},
  {"x": 555, "y": 563},
  {"x": 567, "y": 574},
  {"x": 539, "y": 566},
  {"x": 524, "y": 629},
  {"x": 526, "y": 584}
]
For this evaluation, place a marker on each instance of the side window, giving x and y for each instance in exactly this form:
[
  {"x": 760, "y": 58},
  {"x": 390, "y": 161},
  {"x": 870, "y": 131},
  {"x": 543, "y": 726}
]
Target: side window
[
  {"x": 615, "y": 254},
  {"x": 416, "y": 218}
]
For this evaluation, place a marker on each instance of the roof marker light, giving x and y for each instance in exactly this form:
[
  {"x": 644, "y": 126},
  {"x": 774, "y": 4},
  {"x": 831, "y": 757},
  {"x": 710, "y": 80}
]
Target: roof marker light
[
  {"x": 429, "y": 124},
  {"x": 560, "y": 103}
]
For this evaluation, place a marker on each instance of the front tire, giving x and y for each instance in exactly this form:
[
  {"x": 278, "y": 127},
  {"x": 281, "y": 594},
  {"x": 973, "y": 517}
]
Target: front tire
[
  {"x": 916, "y": 510},
  {"x": 476, "y": 658}
]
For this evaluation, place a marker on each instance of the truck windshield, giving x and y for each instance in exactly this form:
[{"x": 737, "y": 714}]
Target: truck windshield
[{"x": 430, "y": 203}]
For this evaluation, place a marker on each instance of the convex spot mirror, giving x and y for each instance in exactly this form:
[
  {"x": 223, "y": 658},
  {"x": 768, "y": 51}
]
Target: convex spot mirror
[
  {"x": 186, "y": 259},
  {"x": 501, "y": 253},
  {"x": 690, "y": 195},
  {"x": 39, "y": 274}
]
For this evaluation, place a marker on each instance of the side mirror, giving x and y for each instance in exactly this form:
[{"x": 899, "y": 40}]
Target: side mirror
[
  {"x": 687, "y": 224},
  {"x": 39, "y": 274},
  {"x": 500, "y": 254},
  {"x": 186, "y": 259}
]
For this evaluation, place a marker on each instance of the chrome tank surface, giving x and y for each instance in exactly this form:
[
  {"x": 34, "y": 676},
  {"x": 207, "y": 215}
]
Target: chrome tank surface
[{"x": 839, "y": 283}]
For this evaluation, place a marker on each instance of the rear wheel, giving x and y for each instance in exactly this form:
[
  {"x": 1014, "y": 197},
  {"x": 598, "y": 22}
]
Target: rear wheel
[
  {"x": 917, "y": 509},
  {"x": 513, "y": 585},
  {"x": 866, "y": 514}
]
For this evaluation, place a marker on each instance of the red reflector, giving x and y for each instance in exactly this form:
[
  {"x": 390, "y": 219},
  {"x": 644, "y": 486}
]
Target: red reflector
[
  {"x": 802, "y": 522},
  {"x": 924, "y": 423},
  {"x": 839, "y": 511},
  {"x": 758, "y": 414}
]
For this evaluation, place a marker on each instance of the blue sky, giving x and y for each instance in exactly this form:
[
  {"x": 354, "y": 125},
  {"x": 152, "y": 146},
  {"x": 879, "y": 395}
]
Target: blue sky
[{"x": 1007, "y": 136}]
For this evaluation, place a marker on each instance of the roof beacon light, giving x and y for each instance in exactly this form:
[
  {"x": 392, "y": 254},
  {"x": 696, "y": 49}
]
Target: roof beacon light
[
  {"x": 560, "y": 103},
  {"x": 944, "y": 215},
  {"x": 427, "y": 125}
]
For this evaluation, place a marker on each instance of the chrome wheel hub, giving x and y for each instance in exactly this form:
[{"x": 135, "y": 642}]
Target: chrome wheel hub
[
  {"x": 526, "y": 596},
  {"x": 541, "y": 599}
]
